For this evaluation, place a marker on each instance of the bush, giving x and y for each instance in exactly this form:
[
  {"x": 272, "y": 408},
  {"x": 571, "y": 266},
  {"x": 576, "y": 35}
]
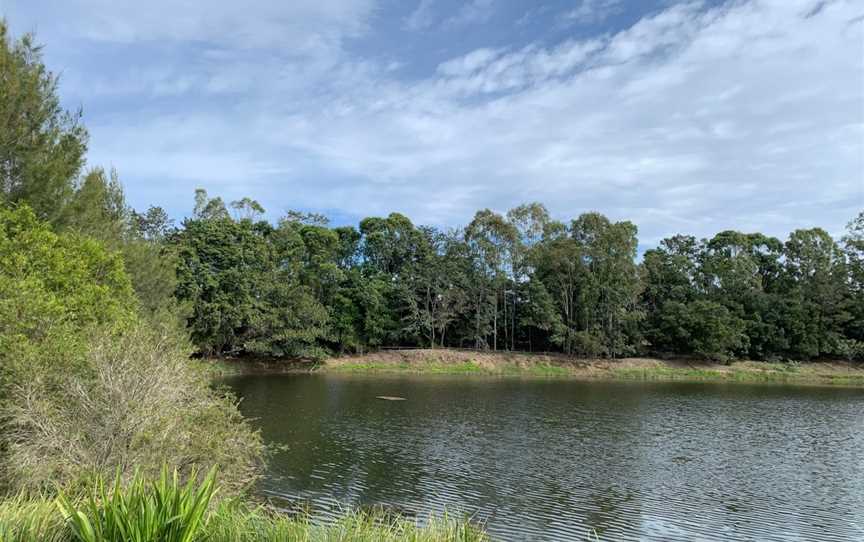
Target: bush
[
  {"x": 851, "y": 350},
  {"x": 52, "y": 289},
  {"x": 86, "y": 386},
  {"x": 139, "y": 404}
]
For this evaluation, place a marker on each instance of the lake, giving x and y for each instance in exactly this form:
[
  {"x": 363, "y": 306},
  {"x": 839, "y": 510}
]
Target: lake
[{"x": 535, "y": 459}]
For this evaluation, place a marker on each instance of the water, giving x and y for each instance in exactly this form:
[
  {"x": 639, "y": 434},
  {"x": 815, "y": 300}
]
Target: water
[{"x": 559, "y": 459}]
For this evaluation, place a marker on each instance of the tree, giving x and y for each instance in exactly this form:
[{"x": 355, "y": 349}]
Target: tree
[
  {"x": 702, "y": 327},
  {"x": 152, "y": 225},
  {"x": 86, "y": 386},
  {"x": 253, "y": 287},
  {"x": 491, "y": 240},
  {"x": 207, "y": 208},
  {"x": 853, "y": 246},
  {"x": 590, "y": 266},
  {"x": 247, "y": 209},
  {"x": 53, "y": 286},
  {"x": 670, "y": 280},
  {"x": 42, "y": 146},
  {"x": 817, "y": 290}
]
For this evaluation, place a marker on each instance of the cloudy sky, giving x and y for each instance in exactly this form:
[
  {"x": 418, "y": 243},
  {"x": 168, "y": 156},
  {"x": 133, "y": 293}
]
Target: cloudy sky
[{"x": 680, "y": 116}]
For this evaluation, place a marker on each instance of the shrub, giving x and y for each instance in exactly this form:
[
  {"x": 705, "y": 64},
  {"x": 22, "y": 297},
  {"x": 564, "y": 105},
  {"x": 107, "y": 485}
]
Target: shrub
[
  {"x": 139, "y": 404},
  {"x": 87, "y": 387}
]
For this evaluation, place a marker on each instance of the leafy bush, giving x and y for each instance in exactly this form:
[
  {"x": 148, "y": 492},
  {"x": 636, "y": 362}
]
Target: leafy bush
[
  {"x": 851, "y": 350},
  {"x": 52, "y": 289},
  {"x": 86, "y": 386}
]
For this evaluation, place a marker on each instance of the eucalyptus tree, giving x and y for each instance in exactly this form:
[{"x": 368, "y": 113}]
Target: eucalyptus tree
[
  {"x": 528, "y": 222},
  {"x": 817, "y": 290},
  {"x": 491, "y": 240},
  {"x": 853, "y": 246},
  {"x": 611, "y": 284}
]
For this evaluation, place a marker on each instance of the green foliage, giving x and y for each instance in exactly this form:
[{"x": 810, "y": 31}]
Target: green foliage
[
  {"x": 86, "y": 385},
  {"x": 164, "y": 510},
  {"x": 705, "y": 328},
  {"x": 31, "y": 520},
  {"x": 42, "y": 146},
  {"x": 54, "y": 289},
  {"x": 239, "y": 523},
  {"x": 518, "y": 281},
  {"x": 590, "y": 268},
  {"x": 248, "y": 285}
]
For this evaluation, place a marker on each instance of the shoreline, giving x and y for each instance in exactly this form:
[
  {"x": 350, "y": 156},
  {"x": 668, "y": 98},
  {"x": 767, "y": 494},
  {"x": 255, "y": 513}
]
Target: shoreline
[{"x": 511, "y": 364}]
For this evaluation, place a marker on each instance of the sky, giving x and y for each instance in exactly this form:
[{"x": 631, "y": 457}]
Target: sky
[{"x": 683, "y": 117}]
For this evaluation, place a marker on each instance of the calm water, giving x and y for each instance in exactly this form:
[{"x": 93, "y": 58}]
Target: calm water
[{"x": 552, "y": 460}]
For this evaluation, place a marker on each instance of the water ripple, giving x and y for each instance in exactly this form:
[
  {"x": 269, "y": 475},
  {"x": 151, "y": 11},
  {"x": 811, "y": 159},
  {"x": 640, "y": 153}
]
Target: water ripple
[{"x": 560, "y": 460}]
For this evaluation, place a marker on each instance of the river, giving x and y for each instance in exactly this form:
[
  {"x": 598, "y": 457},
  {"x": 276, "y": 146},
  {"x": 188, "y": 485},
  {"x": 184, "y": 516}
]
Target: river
[{"x": 535, "y": 459}]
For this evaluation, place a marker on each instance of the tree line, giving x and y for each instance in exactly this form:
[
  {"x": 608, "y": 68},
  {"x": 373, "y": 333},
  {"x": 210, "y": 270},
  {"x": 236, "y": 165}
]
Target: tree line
[{"x": 519, "y": 281}]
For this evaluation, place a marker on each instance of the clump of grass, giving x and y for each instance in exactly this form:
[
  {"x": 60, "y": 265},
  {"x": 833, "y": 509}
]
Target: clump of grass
[
  {"x": 165, "y": 510},
  {"x": 31, "y": 520}
]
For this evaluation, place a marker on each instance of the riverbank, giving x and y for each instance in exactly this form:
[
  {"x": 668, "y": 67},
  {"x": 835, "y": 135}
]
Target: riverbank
[{"x": 466, "y": 362}]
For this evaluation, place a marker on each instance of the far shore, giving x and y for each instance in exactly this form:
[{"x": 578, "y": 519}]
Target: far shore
[{"x": 518, "y": 364}]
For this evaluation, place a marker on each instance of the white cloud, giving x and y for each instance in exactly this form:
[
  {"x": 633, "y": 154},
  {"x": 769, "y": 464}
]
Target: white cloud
[
  {"x": 749, "y": 115},
  {"x": 691, "y": 120},
  {"x": 422, "y": 17},
  {"x": 472, "y": 12},
  {"x": 592, "y": 11}
]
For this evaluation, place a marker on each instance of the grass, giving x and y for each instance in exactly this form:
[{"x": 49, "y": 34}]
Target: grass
[
  {"x": 166, "y": 510},
  {"x": 739, "y": 372},
  {"x": 29, "y": 520},
  {"x": 752, "y": 372},
  {"x": 469, "y": 367},
  {"x": 142, "y": 511},
  {"x": 767, "y": 372},
  {"x": 243, "y": 524},
  {"x": 466, "y": 367}
]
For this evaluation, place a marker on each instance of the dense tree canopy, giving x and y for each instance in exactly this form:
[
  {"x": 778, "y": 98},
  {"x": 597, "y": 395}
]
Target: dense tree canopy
[{"x": 519, "y": 281}]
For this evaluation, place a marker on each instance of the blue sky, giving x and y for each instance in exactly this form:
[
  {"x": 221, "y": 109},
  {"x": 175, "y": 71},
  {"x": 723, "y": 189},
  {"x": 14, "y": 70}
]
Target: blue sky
[{"x": 688, "y": 117}]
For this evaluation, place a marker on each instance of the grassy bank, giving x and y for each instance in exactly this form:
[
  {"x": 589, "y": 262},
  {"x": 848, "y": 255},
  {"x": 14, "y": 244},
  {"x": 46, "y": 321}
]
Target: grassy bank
[
  {"x": 542, "y": 365},
  {"x": 41, "y": 521},
  {"x": 467, "y": 363},
  {"x": 169, "y": 511}
]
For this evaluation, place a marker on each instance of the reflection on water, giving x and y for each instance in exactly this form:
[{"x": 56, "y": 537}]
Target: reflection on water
[{"x": 553, "y": 459}]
